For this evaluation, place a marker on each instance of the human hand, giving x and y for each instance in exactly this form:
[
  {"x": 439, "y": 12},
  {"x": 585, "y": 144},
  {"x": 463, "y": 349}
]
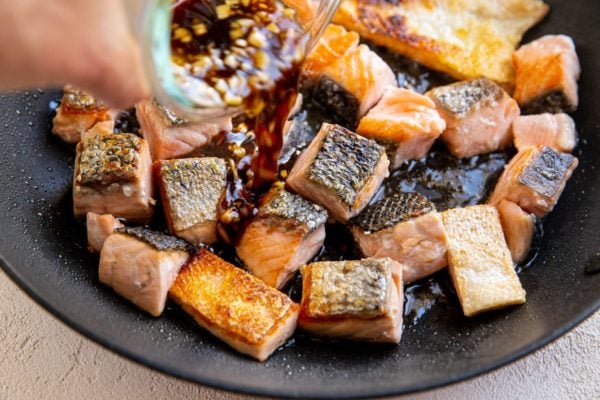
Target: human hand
[{"x": 86, "y": 43}]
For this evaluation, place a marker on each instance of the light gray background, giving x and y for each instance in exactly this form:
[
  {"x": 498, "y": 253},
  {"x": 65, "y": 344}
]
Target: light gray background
[{"x": 40, "y": 358}]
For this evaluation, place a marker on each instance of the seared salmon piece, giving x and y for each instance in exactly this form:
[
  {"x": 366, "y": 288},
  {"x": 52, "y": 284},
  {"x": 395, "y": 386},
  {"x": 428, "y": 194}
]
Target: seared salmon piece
[
  {"x": 287, "y": 232},
  {"x": 357, "y": 300},
  {"x": 79, "y": 112},
  {"x": 478, "y": 115},
  {"x": 113, "y": 175},
  {"x": 100, "y": 227},
  {"x": 190, "y": 190},
  {"x": 352, "y": 85},
  {"x": 238, "y": 308},
  {"x": 141, "y": 265},
  {"x": 534, "y": 179},
  {"x": 479, "y": 260},
  {"x": 405, "y": 227},
  {"x": 553, "y": 130},
  {"x": 406, "y": 122},
  {"x": 547, "y": 71},
  {"x": 340, "y": 171},
  {"x": 101, "y": 128},
  {"x": 172, "y": 137},
  {"x": 519, "y": 229},
  {"x": 463, "y": 38},
  {"x": 335, "y": 42}
]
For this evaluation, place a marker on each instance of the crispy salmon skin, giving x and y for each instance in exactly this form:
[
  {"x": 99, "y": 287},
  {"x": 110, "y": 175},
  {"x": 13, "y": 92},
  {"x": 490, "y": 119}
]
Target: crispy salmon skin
[
  {"x": 339, "y": 170},
  {"x": 358, "y": 300},
  {"x": 113, "y": 175},
  {"x": 235, "y": 306},
  {"x": 405, "y": 227},
  {"x": 286, "y": 233},
  {"x": 535, "y": 179},
  {"x": 478, "y": 114},
  {"x": 190, "y": 189}
]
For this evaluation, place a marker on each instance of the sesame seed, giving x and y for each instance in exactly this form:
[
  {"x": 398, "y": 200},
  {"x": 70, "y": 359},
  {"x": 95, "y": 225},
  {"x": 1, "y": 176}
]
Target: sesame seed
[
  {"x": 231, "y": 61},
  {"x": 199, "y": 29},
  {"x": 272, "y": 27},
  {"x": 289, "y": 12},
  {"x": 261, "y": 59},
  {"x": 221, "y": 86},
  {"x": 241, "y": 43},
  {"x": 279, "y": 185},
  {"x": 257, "y": 39},
  {"x": 246, "y": 67},
  {"x": 183, "y": 35},
  {"x": 246, "y": 22},
  {"x": 223, "y": 11},
  {"x": 239, "y": 152},
  {"x": 236, "y": 34},
  {"x": 232, "y": 100}
]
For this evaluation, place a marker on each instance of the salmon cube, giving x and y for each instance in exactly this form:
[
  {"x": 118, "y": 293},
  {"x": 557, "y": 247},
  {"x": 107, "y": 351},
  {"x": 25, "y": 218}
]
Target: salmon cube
[
  {"x": 340, "y": 171},
  {"x": 238, "y": 308},
  {"x": 99, "y": 228},
  {"x": 546, "y": 74},
  {"x": 552, "y": 130},
  {"x": 479, "y": 260},
  {"x": 190, "y": 190},
  {"x": 335, "y": 42},
  {"x": 352, "y": 85},
  {"x": 79, "y": 112},
  {"x": 478, "y": 115},
  {"x": 519, "y": 229},
  {"x": 405, "y": 227},
  {"x": 170, "y": 136},
  {"x": 357, "y": 300},
  {"x": 287, "y": 232},
  {"x": 101, "y": 128},
  {"x": 141, "y": 265},
  {"x": 113, "y": 175},
  {"x": 406, "y": 122},
  {"x": 534, "y": 179}
]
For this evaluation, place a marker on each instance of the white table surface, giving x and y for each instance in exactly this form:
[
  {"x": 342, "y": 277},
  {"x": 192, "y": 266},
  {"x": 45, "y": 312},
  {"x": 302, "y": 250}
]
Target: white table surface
[{"x": 41, "y": 358}]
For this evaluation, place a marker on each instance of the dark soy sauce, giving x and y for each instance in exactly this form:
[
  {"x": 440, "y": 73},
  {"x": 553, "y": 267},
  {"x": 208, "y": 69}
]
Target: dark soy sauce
[
  {"x": 410, "y": 74},
  {"x": 249, "y": 53},
  {"x": 450, "y": 182}
]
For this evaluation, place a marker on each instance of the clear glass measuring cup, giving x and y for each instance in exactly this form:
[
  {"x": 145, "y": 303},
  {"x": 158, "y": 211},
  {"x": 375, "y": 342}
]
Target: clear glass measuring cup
[{"x": 190, "y": 98}]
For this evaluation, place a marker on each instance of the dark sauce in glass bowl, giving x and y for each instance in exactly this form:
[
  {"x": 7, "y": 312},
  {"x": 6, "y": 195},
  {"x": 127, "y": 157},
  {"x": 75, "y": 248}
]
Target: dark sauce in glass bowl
[{"x": 248, "y": 55}]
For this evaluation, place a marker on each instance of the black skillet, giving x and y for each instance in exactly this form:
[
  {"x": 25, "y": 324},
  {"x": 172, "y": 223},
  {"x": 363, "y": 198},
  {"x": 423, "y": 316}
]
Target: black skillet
[{"x": 42, "y": 249}]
